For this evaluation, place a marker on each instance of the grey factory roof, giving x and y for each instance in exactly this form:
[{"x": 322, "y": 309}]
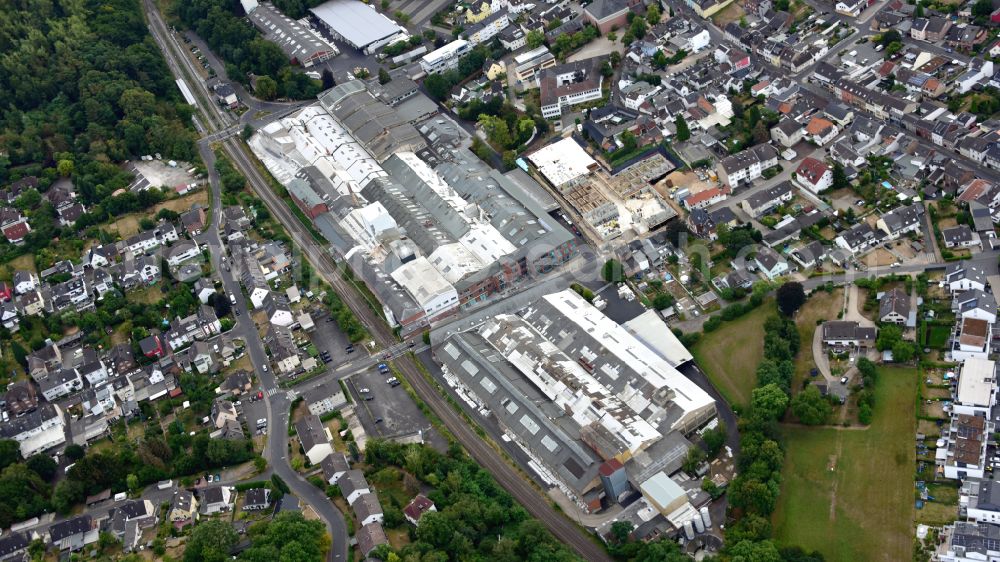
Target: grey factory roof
[
  {"x": 358, "y": 23},
  {"x": 537, "y": 422},
  {"x": 374, "y": 124},
  {"x": 515, "y": 215},
  {"x": 297, "y": 40}
]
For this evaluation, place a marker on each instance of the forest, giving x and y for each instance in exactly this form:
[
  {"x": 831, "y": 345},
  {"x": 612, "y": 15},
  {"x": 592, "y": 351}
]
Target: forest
[{"x": 82, "y": 84}]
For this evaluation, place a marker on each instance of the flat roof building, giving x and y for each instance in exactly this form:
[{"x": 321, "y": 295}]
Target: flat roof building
[
  {"x": 976, "y": 387},
  {"x": 358, "y": 24},
  {"x": 563, "y": 163},
  {"x": 300, "y": 42},
  {"x": 445, "y": 58}
]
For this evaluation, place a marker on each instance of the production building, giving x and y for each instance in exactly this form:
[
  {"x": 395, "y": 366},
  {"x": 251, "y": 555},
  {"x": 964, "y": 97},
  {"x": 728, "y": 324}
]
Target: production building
[
  {"x": 576, "y": 391},
  {"x": 358, "y": 24},
  {"x": 564, "y": 163},
  {"x": 300, "y": 43},
  {"x": 425, "y": 239}
]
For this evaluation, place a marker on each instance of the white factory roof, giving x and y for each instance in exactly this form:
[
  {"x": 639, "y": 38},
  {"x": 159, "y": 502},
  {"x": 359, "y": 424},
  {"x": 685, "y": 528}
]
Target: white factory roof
[
  {"x": 630, "y": 353},
  {"x": 563, "y": 381},
  {"x": 976, "y": 381},
  {"x": 661, "y": 489},
  {"x": 356, "y": 22},
  {"x": 367, "y": 223},
  {"x": 455, "y": 261},
  {"x": 312, "y": 137},
  {"x": 486, "y": 242},
  {"x": 562, "y": 162},
  {"x": 423, "y": 282},
  {"x": 652, "y": 331}
]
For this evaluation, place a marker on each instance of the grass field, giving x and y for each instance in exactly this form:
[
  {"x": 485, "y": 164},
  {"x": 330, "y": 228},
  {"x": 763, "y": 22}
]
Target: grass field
[
  {"x": 849, "y": 493},
  {"x": 820, "y": 306},
  {"x": 937, "y": 336},
  {"x": 729, "y": 355}
]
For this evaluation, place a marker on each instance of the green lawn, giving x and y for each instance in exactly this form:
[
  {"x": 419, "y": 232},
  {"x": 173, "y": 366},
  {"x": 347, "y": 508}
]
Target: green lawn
[
  {"x": 849, "y": 493},
  {"x": 730, "y": 355},
  {"x": 937, "y": 336}
]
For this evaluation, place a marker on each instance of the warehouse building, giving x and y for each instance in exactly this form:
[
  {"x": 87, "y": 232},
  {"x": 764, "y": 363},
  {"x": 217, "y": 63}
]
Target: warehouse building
[
  {"x": 575, "y": 389},
  {"x": 376, "y": 125},
  {"x": 358, "y": 24},
  {"x": 299, "y": 42}
]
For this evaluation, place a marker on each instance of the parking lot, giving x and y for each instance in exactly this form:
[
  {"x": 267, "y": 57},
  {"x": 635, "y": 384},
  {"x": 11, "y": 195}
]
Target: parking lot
[
  {"x": 252, "y": 410},
  {"x": 327, "y": 336},
  {"x": 399, "y": 414}
]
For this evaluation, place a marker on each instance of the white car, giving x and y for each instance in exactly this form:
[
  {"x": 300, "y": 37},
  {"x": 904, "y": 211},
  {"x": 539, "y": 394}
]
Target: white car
[{"x": 843, "y": 380}]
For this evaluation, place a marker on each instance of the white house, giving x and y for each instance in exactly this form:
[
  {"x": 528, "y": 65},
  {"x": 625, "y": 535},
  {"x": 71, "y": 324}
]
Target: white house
[
  {"x": 314, "y": 438},
  {"x": 814, "y": 175},
  {"x": 770, "y": 263},
  {"x": 353, "y": 485},
  {"x": 977, "y": 387},
  {"x": 963, "y": 276}
]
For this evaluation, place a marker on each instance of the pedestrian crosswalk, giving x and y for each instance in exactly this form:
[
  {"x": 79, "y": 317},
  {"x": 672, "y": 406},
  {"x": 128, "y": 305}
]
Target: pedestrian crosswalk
[{"x": 272, "y": 391}]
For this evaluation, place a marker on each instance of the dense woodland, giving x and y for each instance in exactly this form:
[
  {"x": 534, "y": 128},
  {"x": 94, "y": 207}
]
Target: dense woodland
[{"x": 82, "y": 84}]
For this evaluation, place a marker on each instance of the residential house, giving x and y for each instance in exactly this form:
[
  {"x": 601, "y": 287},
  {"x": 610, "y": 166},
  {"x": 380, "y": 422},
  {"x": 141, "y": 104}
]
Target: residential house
[
  {"x": 976, "y": 393},
  {"x": 277, "y": 310},
  {"x": 770, "y": 263},
  {"x": 325, "y": 398},
  {"x": 20, "y": 399},
  {"x": 845, "y": 333},
  {"x": 706, "y": 197},
  {"x": 902, "y": 220},
  {"x": 747, "y": 165},
  {"x": 73, "y": 534},
  {"x": 370, "y": 537},
  {"x": 14, "y": 225},
  {"x": 764, "y": 201},
  {"x": 417, "y": 507},
  {"x": 568, "y": 85},
  {"x": 787, "y": 132},
  {"x": 964, "y": 275},
  {"x": 980, "y": 501},
  {"x": 193, "y": 221},
  {"x": 821, "y": 131},
  {"x": 858, "y": 239},
  {"x": 314, "y": 437},
  {"x": 334, "y": 467},
  {"x": 930, "y": 29},
  {"x": 894, "y": 307},
  {"x": 814, "y": 175},
  {"x": 181, "y": 252},
  {"x": 257, "y": 499},
  {"x": 367, "y": 509},
  {"x": 184, "y": 509},
  {"x": 217, "y": 499},
  {"x": 237, "y": 383},
  {"x": 353, "y": 485},
  {"x": 223, "y": 411},
  {"x": 960, "y": 236},
  {"x": 13, "y": 547},
  {"x": 975, "y": 304},
  {"x": 24, "y": 281},
  {"x": 972, "y": 339},
  {"x": 810, "y": 255},
  {"x": 36, "y": 431},
  {"x": 59, "y": 382}
]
